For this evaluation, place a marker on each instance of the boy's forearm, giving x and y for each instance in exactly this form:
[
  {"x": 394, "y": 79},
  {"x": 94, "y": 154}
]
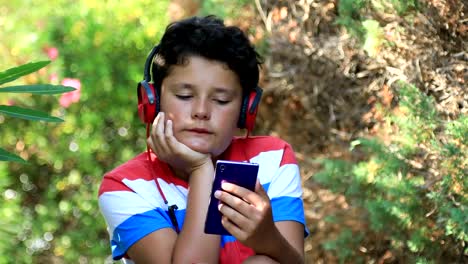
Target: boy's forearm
[
  {"x": 282, "y": 251},
  {"x": 193, "y": 245}
]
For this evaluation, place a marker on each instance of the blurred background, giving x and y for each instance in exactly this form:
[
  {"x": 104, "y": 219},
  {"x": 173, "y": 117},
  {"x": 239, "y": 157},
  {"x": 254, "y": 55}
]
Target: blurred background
[{"x": 371, "y": 94}]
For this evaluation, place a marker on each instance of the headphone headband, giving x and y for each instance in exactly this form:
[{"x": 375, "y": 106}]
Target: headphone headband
[{"x": 149, "y": 61}]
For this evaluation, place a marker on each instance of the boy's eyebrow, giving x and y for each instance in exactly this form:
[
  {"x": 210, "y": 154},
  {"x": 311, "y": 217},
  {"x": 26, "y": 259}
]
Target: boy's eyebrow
[
  {"x": 223, "y": 90},
  {"x": 181, "y": 85}
]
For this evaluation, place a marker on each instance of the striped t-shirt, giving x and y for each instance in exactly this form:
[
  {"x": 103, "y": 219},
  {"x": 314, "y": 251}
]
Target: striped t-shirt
[{"x": 133, "y": 207}]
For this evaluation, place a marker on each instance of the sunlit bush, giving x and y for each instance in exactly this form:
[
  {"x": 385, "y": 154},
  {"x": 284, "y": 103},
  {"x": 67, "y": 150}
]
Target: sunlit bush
[
  {"x": 411, "y": 186},
  {"x": 102, "y": 47}
]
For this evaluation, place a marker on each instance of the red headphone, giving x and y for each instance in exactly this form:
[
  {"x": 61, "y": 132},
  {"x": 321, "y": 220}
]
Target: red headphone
[{"x": 148, "y": 99}]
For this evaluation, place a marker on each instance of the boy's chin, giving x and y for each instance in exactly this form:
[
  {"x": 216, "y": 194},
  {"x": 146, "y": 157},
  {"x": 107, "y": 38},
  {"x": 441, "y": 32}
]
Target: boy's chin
[
  {"x": 205, "y": 149},
  {"x": 195, "y": 146},
  {"x": 204, "y": 146}
]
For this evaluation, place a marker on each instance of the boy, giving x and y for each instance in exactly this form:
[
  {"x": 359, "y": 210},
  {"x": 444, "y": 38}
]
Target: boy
[{"x": 155, "y": 205}]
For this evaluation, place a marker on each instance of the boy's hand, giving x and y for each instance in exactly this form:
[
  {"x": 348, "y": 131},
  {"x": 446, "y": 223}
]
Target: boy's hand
[
  {"x": 170, "y": 150},
  {"x": 248, "y": 218}
]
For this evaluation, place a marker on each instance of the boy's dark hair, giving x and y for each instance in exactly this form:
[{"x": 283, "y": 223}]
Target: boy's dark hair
[{"x": 207, "y": 37}]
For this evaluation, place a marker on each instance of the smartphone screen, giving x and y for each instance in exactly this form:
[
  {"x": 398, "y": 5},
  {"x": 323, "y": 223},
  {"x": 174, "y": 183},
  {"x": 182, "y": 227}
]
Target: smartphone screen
[{"x": 240, "y": 173}]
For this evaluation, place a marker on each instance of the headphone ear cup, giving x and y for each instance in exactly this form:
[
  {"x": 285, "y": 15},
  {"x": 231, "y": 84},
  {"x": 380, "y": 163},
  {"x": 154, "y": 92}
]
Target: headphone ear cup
[
  {"x": 148, "y": 102},
  {"x": 249, "y": 109},
  {"x": 243, "y": 111}
]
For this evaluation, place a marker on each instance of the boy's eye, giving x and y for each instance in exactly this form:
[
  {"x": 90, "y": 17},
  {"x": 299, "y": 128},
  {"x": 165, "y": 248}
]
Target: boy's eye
[
  {"x": 183, "y": 97},
  {"x": 221, "y": 102}
]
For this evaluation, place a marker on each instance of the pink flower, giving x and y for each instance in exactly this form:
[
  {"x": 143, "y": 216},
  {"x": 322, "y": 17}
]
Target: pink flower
[
  {"x": 52, "y": 53},
  {"x": 71, "y": 97},
  {"x": 53, "y": 78}
]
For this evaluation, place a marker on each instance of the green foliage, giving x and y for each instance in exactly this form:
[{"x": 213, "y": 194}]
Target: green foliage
[
  {"x": 374, "y": 36},
  {"x": 349, "y": 16},
  {"x": 422, "y": 212},
  {"x": 19, "y": 112},
  {"x": 352, "y": 16},
  {"x": 403, "y": 6},
  {"x": 53, "y": 198},
  {"x": 226, "y": 9},
  {"x": 223, "y": 8},
  {"x": 10, "y": 225},
  {"x": 7, "y": 156},
  {"x": 342, "y": 245},
  {"x": 14, "y": 73},
  {"x": 27, "y": 114}
]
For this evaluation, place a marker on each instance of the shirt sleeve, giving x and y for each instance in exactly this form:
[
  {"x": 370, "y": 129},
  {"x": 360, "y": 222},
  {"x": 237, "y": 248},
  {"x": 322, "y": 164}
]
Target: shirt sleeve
[
  {"x": 285, "y": 190},
  {"x": 129, "y": 216}
]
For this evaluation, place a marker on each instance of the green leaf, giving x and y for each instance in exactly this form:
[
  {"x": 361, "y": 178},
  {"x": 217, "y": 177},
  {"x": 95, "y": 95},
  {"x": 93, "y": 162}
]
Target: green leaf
[
  {"x": 14, "y": 73},
  {"x": 7, "y": 156},
  {"x": 37, "y": 89},
  {"x": 28, "y": 114}
]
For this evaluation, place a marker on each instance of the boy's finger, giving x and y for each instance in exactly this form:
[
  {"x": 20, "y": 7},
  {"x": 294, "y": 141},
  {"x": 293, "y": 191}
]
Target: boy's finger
[
  {"x": 169, "y": 135},
  {"x": 160, "y": 124},
  {"x": 234, "y": 216},
  {"x": 239, "y": 191},
  {"x": 158, "y": 133},
  {"x": 168, "y": 129},
  {"x": 237, "y": 209},
  {"x": 232, "y": 228},
  {"x": 155, "y": 124},
  {"x": 234, "y": 189}
]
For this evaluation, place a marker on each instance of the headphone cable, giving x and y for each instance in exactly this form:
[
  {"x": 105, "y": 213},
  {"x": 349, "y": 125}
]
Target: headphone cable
[{"x": 171, "y": 208}]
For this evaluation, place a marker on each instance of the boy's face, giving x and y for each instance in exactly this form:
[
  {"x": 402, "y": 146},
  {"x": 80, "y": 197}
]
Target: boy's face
[{"x": 203, "y": 99}]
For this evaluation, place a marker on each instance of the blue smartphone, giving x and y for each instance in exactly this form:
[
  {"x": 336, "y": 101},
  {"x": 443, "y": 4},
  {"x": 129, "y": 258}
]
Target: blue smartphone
[{"x": 240, "y": 173}]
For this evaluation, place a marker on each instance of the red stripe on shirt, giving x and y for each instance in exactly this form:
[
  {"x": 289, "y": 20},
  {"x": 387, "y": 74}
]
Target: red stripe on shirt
[
  {"x": 235, "y": 252},
  {"x": 288, "y": 156}
]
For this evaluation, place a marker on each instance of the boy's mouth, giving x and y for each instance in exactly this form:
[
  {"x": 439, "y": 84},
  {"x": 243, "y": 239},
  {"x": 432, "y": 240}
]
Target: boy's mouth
[{"x": 200, "y": 131}]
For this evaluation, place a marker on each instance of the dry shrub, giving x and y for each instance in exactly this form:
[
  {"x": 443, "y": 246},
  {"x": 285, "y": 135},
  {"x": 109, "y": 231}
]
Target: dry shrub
[
  {"x": 320, "y": 84},
  {"x": 322, "y": 88}
]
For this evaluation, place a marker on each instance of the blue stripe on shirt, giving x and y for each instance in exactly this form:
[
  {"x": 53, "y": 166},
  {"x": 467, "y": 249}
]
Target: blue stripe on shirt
[
  {"x": 284, "y": 208},
  {"x": 138, "y": 226},
  {"x": 287, "y": 208}
]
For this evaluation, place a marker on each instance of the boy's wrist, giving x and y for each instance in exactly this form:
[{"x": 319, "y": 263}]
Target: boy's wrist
[
  {"x": 274, "y": 248},
  {"x": 204, "y": 165}
]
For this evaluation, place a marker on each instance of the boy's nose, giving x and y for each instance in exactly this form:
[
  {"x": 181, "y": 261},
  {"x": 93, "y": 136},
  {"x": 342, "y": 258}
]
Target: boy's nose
[
  {"x": 201, "y": 115},
  {"x": 201, "y": 110}
]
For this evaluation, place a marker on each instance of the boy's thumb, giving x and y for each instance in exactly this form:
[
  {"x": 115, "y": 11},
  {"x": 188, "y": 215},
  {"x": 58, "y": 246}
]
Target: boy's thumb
[{"x": 259, "y": 189}]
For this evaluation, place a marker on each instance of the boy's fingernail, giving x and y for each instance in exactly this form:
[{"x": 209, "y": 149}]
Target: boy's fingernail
[{"x": 217, "y": 194}]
